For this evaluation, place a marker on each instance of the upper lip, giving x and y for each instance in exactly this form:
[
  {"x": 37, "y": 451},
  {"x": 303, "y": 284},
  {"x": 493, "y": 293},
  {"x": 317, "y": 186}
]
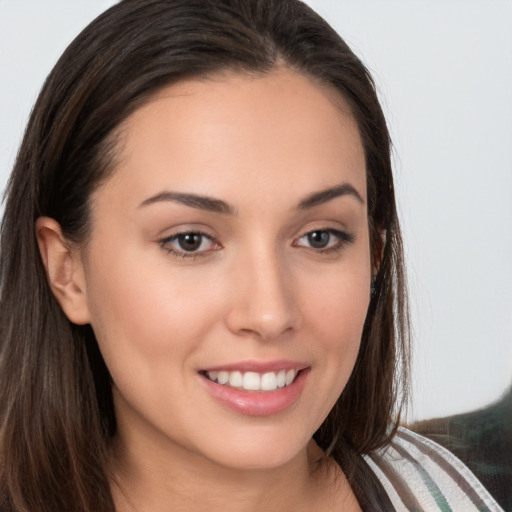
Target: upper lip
[{"x": 258, "y": 366}]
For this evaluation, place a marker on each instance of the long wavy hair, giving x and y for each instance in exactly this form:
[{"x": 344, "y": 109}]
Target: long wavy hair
[{"x": 56, "y": 411}]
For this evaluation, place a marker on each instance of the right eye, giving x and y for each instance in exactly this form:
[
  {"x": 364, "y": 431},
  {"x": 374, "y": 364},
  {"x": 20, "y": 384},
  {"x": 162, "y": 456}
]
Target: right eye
[{"x": 189, "y": 244}]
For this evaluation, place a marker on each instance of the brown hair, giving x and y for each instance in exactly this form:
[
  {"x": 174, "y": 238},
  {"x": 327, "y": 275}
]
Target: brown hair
[{"x": 56, "y": 411}]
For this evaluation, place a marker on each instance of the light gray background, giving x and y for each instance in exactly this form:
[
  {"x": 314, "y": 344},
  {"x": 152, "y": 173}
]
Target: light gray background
[{"x": 443, "y": 69}]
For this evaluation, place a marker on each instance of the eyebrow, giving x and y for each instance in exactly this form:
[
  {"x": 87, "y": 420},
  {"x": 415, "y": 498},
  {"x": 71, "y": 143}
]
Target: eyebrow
[
  {"x": 218, "y": 206},
  {"x": 193, "y": 200},
  {"x": 328, "y": 194}
]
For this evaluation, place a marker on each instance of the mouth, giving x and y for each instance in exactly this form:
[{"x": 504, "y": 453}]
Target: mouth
[
  {"x": 253, "y": 381},
  {"x": 255, "y": 389}
]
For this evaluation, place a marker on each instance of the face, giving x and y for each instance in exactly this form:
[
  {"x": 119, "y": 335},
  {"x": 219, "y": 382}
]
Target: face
[{"x": 227, "y": 272}]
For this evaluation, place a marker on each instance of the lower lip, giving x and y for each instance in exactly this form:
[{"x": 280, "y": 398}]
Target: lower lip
[{"x": 258, "y": 403}]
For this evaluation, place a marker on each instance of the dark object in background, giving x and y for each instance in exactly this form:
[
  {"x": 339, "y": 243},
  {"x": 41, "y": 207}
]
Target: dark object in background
[{"x": 482, "y": 439}]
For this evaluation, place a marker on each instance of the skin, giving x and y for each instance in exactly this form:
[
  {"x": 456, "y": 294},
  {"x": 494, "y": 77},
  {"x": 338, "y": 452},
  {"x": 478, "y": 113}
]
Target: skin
[{"x": 255, "y": 290}]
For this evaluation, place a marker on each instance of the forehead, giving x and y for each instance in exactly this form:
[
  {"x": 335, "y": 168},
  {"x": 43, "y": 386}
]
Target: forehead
[{"x": 239, "y": 133}]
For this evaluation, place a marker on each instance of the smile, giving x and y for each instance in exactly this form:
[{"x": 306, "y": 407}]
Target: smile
[
  {"x": 253, "y": 381},
  {"x": 255, "y": 389}
]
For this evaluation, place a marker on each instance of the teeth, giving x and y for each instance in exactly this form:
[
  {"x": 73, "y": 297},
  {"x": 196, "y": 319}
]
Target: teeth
[
  {"x": 281, "y": 379},
  {"x": 290, "y": 375},
  {"x": 223, "y": 377},
  {"x": 252, "y": 381},
  {"x": 269, "y": 381},
  {"x": 235, "y": 379}
]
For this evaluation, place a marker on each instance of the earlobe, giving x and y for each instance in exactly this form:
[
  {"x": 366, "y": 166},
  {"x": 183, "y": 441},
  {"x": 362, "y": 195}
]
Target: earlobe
[{"x": 64, "y": 270}]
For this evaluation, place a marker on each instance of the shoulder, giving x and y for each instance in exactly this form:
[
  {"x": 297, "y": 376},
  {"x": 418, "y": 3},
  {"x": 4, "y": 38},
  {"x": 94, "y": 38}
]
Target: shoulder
[{"x": 418, "y": 474}]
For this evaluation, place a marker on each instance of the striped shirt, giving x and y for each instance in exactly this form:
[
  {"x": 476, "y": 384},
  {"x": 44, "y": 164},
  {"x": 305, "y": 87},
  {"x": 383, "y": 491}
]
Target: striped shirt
[{"x": 418, "y": 475}]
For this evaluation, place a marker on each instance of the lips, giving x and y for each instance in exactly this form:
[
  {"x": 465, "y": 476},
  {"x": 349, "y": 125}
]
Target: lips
[{"x": 256, "y": 389}]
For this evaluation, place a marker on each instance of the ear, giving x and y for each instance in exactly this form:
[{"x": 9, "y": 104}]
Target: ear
[{"x": 64, "y": 270}]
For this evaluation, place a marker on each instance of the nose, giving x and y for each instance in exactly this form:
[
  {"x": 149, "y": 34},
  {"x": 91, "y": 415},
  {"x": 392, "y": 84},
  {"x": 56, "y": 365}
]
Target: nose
[{"x": 263, "y": 299}]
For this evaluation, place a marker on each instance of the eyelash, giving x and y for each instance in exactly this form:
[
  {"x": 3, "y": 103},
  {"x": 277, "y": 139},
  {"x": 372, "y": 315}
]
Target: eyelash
[{"x": 344, "y": 239}]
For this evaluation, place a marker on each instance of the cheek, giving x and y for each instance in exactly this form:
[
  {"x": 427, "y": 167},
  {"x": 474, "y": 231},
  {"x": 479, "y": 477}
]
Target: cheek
[
  {"x": 340, "y": 310},
  {"x": 336, "y": 314},
  {"x": 340, "y": 330},
  {"x": 336, "y": 302},
  {"x": 145, "y": 315}
]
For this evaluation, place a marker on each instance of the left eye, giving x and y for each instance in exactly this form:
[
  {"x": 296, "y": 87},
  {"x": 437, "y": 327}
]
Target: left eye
[
  {"x": 189, "y": 243},
  {"x": 323, "y": 239}
]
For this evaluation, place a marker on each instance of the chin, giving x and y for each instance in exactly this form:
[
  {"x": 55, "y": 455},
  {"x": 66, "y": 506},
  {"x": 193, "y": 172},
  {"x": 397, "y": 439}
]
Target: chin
[{"x": 262, "y": 450}]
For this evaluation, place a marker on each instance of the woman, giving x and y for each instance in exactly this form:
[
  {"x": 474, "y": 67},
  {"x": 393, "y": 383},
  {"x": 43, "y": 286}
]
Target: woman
[{"x": 203, "y": 299}]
